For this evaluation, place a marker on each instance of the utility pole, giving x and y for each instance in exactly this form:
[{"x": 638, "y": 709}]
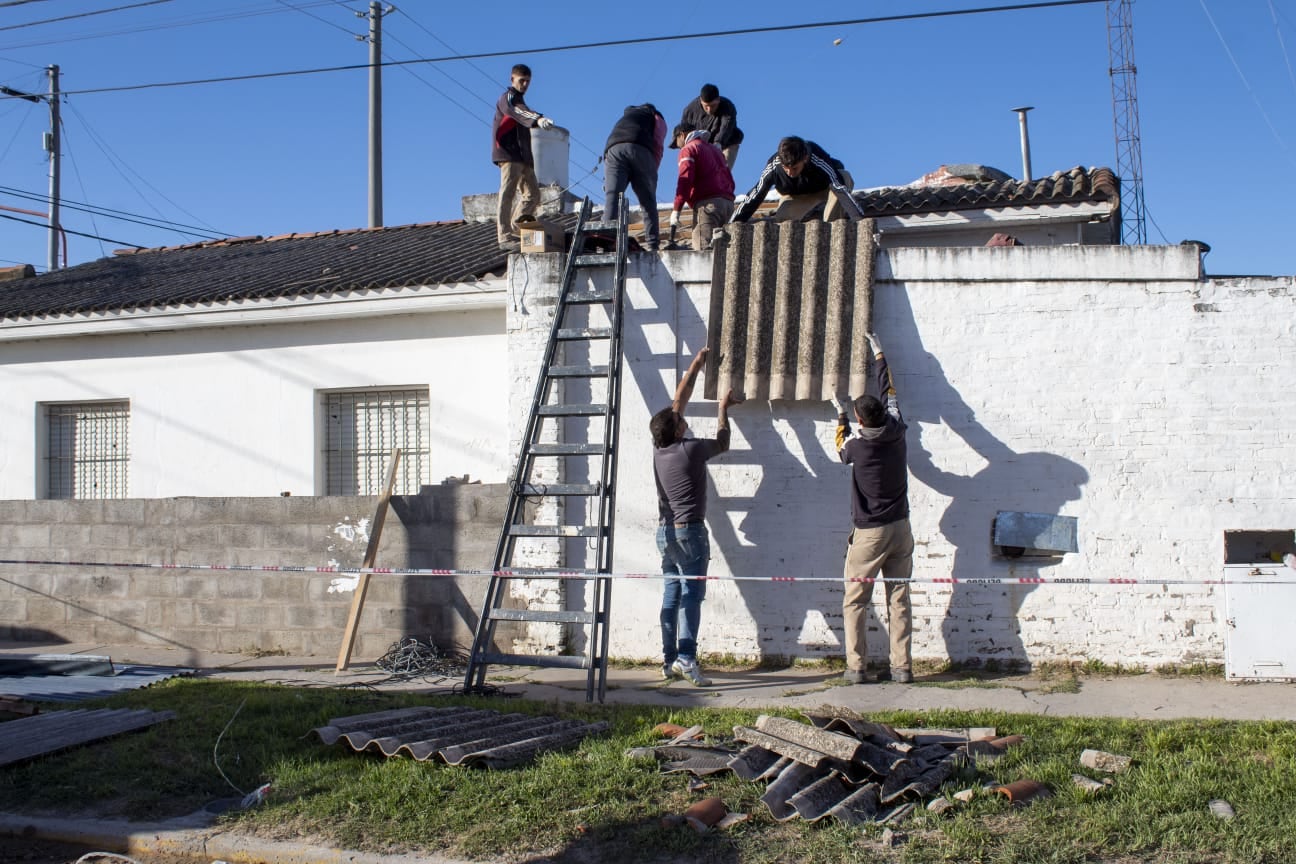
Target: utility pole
[
  {"x": 52, "y": 145},
  {"x": 1129, "y": 148},
  {"x": 375, "y": 16}
]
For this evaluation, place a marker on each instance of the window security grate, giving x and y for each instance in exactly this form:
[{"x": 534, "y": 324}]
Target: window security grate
[
  {"x": 87, "y": 452},
  {"x": 361, "y": 428}
]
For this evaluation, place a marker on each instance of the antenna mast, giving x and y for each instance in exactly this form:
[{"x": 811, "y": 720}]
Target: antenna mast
[{"x": 1125, "y": 113}]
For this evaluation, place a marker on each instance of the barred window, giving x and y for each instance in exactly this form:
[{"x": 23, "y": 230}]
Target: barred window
[
  {"x": 360, "y": 429},
  {"x": 87, "y": 450}
]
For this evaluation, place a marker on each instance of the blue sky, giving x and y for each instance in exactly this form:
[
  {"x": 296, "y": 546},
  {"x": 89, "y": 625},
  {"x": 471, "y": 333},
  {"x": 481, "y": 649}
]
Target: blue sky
[{"x": 893, "y": 101}]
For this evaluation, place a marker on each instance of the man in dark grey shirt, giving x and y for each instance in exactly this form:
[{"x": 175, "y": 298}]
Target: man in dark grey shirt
[{"x": 679, "y": 469}]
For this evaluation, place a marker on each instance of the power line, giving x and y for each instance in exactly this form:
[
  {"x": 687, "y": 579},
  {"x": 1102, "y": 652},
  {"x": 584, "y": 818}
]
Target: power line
[
  {"x": 613, "y": 43},
  {"x": 171, "y": 25},
  {"x": 122, "y": 215},
  {"x": 84, "y": 14},
  {"x": 70, "y": 231},
  {"x": 1247, "y": 84}
]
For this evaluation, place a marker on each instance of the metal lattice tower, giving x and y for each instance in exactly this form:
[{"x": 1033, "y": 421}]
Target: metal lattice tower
[{"x": 1125, "y": 113}]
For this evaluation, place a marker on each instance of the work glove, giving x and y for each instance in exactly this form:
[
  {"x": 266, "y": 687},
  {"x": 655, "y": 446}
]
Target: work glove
[
  {"x": 545, "y": 123},
  {"x": 674, "y": 220},
  {"x": 874, "y": 344}
]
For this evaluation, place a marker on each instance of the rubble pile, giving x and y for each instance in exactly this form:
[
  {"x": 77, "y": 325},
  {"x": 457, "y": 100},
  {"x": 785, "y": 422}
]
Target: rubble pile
[{"x": 852, "y": 770}]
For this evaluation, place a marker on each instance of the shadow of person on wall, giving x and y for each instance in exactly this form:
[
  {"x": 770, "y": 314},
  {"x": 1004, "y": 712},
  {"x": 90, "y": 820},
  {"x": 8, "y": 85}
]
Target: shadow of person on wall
[
  {"x": 981, "y": 622},
  {"x": 799, "y": 487}
]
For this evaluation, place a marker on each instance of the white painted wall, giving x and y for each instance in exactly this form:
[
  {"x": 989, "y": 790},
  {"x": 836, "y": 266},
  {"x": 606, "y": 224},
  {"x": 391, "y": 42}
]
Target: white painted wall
[
  {"x": 232, "y": 410},
  {"x": 1104, "y": 383}
]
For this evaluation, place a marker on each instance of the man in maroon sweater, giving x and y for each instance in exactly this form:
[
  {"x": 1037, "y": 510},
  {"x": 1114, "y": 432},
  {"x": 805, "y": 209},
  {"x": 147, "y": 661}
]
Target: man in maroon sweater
[
  {"x": 704, "y": 184},
  {"x": 880, "y": 539}
]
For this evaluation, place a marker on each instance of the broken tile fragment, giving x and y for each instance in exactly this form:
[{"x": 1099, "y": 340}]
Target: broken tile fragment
[{"x": 1099, "y": 760}]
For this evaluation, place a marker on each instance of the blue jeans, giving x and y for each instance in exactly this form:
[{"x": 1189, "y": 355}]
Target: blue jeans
[
  {"x": 632, "y": 165},
  {"x": 685, "y": 552}
]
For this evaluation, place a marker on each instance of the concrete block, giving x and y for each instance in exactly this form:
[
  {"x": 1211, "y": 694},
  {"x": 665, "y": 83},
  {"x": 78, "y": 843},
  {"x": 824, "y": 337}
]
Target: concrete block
[
  {"x": 44, "y": 612},
  {"x": 24, "y": 536},
  {"x": 215, "y": 613},
  {"x": 242, "y": 536},
  {"x": 197, "y": 584},
  {"x": 284, "y": 588},
  {"x": 238, "y": 585}
]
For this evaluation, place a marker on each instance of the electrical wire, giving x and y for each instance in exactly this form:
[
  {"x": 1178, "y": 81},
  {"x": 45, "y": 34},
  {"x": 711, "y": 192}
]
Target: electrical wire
[
  {"x": 612, "y": 43},
  {"x": 216, "y": 747},
  {"x": 170, "y": 25},
  {"x": 119, "y": 215},
  {"x": 84, "y": 14},
  {"x": 94, "y": 225},
  {"x": 70, "y": 231},
  {"x": 1247, "y": 84},
  {"x": 120, "y": 164},
  {"x": 1291, "y": 76}
]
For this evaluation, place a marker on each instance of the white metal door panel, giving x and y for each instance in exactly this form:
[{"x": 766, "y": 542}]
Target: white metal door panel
[{"x": 1259, "y": 644}]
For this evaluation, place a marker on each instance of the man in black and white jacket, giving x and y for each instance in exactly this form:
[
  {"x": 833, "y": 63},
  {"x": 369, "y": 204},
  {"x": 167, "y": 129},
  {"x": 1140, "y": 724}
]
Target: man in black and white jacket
[{"x": 806, "y": 177}]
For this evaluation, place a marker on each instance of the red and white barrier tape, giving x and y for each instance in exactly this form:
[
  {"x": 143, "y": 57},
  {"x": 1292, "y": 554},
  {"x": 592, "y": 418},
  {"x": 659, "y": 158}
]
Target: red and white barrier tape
[{"x": 1268, "y": 570}]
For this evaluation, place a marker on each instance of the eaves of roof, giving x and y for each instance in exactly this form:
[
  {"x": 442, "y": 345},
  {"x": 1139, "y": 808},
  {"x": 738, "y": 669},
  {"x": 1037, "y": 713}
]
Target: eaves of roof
[{"x": 259, "y": 268}]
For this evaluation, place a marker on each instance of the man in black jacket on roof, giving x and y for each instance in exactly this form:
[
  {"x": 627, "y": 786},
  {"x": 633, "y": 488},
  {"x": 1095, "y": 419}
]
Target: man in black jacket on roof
[
  {"x": 805, "y": 176},
  {"x": 631, "y": 157},
  {"x": 718, "y": 116}
]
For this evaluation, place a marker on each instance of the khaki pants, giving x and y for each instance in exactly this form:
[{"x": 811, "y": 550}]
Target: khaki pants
[
  {"x": 793, "y": 208},
  {"x": 709, "y": 215},
  {"x": 888, "y": 549},
  {"x": 731, "y": 155},
  {"x": 519, "y": 193}
]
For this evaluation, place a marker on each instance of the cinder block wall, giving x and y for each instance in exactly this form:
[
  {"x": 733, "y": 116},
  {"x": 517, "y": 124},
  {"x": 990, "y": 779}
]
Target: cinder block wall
[{"x": 450, "y": 526}]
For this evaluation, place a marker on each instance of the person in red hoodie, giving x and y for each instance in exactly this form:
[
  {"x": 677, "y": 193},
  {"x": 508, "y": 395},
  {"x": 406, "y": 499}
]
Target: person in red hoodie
[{"x": 705, "y": 184}]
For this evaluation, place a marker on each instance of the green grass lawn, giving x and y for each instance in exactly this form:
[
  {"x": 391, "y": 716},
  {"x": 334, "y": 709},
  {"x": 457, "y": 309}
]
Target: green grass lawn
[{"x": 591, "y": 803}]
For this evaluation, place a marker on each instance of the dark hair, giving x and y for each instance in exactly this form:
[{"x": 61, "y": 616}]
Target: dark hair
[
  {"x": 792, "y": 149},
  {"x": 662, "y": 426},
  {"x": 870, "y": 411},
  {"x": 709, "y": 93},
  {"x": 522, "y": 69}
]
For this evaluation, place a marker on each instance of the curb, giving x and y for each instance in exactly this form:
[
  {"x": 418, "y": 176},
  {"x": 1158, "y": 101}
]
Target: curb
[{"x": 178, "y": 837}]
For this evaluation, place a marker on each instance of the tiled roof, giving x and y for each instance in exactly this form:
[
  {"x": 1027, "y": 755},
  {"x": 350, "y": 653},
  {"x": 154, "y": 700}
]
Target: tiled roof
[
  {"x": 948, "y": 193},
  {"x": 255, "y": 268}
]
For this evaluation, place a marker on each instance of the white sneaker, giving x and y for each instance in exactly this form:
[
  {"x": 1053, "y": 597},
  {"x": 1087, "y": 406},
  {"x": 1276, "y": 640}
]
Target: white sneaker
[{"x": 690, "y": 671}]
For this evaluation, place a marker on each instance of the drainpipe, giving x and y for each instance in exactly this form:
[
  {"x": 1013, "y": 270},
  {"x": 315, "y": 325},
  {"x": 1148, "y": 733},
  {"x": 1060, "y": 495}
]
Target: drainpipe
[{"x": 1025, "y": 141}]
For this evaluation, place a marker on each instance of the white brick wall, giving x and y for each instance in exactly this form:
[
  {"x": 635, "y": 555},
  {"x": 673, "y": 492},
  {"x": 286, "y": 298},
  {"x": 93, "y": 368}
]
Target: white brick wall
[{"x": 1104, "y": 383}]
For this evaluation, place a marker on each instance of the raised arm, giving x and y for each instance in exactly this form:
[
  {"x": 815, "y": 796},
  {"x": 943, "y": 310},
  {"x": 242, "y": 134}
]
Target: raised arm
[
  {"x": 886, "y": 386},
  {"x": 685, "y": 389},
  {"x": 722, "y": 419}
]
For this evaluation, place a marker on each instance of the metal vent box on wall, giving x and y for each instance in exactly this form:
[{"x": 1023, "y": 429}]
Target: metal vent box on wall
[
  {"x": 1259, "y": 606},
  {"x": 1018, "y": 534}
]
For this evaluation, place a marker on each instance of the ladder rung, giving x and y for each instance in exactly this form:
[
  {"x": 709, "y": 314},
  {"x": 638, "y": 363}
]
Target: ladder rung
[
  {"x": 567, "y": 449},
  {"x": 591, "y": 226},
  {"x": 571, "y": 410},
  {"x": 555, "y": 531},
  {"x": 560, "y": 489},
  {"x": 574, "y": 333},
  {"x": 551, "y": 661},
  {"x": 578, "y": 371},
  {"x": 553, "y": 616},
  {"x": 589, "y": 297},
  {"x": 596, "y": 259}
]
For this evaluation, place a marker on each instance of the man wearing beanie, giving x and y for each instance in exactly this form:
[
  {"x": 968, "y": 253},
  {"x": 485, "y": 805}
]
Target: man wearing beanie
[{"x": 704, "y": 184}]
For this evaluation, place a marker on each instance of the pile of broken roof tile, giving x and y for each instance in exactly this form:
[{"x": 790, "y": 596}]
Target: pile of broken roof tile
[{"x": 852, "y": 770}]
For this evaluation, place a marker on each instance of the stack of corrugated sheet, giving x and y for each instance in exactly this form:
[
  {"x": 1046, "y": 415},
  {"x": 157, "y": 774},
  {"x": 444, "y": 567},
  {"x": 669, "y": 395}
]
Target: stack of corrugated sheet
[{"x": 457, "y": 735}]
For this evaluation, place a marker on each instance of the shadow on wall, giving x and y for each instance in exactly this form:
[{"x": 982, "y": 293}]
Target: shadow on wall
[{"x": 981, "y": 622}]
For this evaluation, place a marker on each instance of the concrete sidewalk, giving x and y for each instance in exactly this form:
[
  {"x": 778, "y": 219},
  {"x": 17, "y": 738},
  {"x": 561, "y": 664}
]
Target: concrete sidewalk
[{"x": 1149, "y": 697}]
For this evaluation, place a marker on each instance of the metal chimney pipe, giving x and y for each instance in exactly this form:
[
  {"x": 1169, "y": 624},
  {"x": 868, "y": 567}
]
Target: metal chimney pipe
[{"x": 1025, "y": 140}]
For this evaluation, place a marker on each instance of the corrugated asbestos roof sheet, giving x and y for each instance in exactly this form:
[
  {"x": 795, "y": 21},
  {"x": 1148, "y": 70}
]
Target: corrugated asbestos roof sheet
[
  {"x": 257, "y": 268},
  {"x": 459, "y": 736},
  {"x": 847, "y": 769},
  {"x": 1062, "y": 187},
  {"x": 43, "y": 734},
  {"x": 74, "y": 688},
  {"x": 790, "y": 302}
]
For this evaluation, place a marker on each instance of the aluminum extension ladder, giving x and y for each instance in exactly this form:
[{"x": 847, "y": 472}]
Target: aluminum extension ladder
[{"x": 577, "y": 510}]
